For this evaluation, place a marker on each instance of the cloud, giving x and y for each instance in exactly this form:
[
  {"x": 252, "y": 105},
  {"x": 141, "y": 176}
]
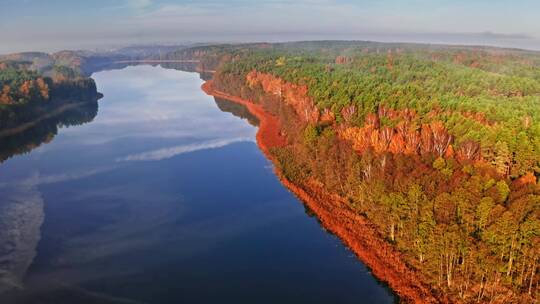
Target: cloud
[
  {"x": 166, "y": 153},
  {"x": 36, "y": 179}
]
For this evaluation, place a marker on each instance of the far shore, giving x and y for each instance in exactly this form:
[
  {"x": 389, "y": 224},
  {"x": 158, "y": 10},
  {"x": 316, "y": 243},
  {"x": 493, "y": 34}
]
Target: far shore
[{"x": 156, "y": 61}]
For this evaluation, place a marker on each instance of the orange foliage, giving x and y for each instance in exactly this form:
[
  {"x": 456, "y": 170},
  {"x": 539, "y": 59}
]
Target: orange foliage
[
  {"x": 269, "y": 125},
  {"x": 348, "y": 113},
  {"x": 397, "y": 143},
  {"x": 294, "y": 95},
  {"x": 373, "y": 120},
  {"x": 43, "y": 88},
  {"x": 4, "y": 96},
  {"x": 426, "y": 137},
  {"x": 450, "y": 152},
  {"x": 390, "y": 60},
  {"x": 441, "y": 138},
  {"x": 343, "y": 60},
  {"x": 26, "y": 87},
  {"x": 328, "y": 116},
  {"x": 403, "y": 139},
  {"x": 526, "y": 179},
  {"x": 469, "y": 150}
]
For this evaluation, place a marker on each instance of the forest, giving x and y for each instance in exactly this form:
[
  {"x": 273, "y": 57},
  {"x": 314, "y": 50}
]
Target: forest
[
  {"x": 27, "y": 93},
  {"x": 437, "y": 146}
]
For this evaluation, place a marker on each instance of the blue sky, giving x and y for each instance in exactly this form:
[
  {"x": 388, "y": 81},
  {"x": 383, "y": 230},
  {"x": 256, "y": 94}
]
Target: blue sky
[{"x": 58, "y": 24}]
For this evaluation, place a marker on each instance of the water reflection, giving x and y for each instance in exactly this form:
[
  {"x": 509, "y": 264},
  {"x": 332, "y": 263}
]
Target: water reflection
[
  {"x": 170, "y": 65},
  {"x": 237, "y": 110},
  {"x": 44, "y": 132}
]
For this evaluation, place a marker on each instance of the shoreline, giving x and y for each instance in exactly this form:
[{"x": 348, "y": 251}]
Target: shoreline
[
  {"x": 28, "y": 125},
  {"x": 353, "y": 230},
  {"x": 155, "y": 61}
]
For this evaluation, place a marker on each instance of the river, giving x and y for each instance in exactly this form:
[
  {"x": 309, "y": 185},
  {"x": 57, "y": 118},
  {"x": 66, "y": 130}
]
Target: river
[{"x": 160, "y": 195}]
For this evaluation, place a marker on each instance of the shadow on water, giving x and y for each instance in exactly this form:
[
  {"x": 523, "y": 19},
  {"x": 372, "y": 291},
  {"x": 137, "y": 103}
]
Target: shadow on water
[
  {"x": 237, "y": 110},
  {"x": 310, "y": 213}
]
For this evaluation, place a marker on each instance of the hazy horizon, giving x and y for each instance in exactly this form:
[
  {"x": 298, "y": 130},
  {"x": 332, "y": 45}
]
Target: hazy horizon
[{"x": 62, "y": 24}]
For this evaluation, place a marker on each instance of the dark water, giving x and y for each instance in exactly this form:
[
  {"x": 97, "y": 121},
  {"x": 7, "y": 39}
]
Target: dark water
[{"x": 163, "y": 198}]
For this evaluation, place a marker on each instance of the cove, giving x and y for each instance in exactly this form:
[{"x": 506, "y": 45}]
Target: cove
[{"x": 163, "y": 197}]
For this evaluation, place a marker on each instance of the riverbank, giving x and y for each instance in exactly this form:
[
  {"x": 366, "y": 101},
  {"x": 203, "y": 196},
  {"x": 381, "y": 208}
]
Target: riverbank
[{"x": 337, "y": 217}]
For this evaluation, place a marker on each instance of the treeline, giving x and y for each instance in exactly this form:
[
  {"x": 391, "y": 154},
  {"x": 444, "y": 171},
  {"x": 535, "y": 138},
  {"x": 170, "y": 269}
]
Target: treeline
[
  {"x": 494, "y": 105},
  {"x": 438, "y": 147},
  {"x": 21, "y": 86},
  {"x": 26, "y": 94}
]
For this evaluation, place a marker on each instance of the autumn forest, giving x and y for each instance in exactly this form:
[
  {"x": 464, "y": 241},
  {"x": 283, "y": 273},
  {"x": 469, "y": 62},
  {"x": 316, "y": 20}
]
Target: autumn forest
[{"x": 437, "y": 147}]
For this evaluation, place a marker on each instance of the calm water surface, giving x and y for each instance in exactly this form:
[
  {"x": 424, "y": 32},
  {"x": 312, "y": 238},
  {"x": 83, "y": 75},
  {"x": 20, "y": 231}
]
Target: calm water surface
[{"x": 163, "y": 198}]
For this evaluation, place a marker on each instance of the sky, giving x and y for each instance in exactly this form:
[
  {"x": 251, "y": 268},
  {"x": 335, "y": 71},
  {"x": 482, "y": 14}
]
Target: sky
[{"x": 52, "y": 25}]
